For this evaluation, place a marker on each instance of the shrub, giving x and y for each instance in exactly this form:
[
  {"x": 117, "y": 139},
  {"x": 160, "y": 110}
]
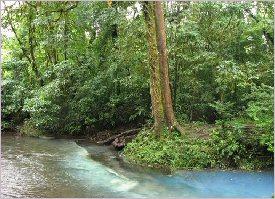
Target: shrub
[
  {"x": 260, "y": 110},
  {"x": 172, "y": 150},
  {"x": 233, "y": 146},
  {"x": 29, "y": 129}
]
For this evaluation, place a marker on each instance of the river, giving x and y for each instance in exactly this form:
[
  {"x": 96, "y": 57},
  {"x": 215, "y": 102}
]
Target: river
[{"x": 35, "y": 167}]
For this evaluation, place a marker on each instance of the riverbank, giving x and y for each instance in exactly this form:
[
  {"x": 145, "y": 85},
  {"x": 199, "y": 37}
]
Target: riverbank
[
  {"x": 202, "y": 146},
  {"x": 221, "y": 147},
  {"x": 93, "y": 135}
]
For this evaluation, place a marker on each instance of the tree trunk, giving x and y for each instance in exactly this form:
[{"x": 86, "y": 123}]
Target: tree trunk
[
  {"x": 162, "y": 106},
  {"x": 163, "y": 65},
  {"x": 155, "y": 87}
]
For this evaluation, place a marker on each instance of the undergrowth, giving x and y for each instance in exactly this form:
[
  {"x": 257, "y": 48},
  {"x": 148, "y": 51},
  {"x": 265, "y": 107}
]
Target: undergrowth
[
  {"x": 226, "y": 148},
  {"x": 29, "y": 129}
]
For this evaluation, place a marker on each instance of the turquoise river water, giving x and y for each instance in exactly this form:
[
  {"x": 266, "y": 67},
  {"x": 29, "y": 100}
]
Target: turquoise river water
[{"x": 62, "y": 168}]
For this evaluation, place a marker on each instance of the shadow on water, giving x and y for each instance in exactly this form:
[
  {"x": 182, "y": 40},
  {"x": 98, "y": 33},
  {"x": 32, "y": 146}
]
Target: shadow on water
[{"x": 34, "y": 167}]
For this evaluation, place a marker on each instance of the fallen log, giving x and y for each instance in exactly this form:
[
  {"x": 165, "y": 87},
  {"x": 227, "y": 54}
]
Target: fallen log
[{"x": 125, "y": 133}]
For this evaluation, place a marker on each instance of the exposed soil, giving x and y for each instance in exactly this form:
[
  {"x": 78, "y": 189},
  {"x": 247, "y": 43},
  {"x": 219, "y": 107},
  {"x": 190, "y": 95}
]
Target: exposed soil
[{"x": 201, "y": 131}]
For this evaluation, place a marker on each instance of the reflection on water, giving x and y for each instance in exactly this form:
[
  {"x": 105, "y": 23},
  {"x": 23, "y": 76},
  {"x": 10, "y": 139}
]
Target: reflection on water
[{"x": 32, "y": 167}]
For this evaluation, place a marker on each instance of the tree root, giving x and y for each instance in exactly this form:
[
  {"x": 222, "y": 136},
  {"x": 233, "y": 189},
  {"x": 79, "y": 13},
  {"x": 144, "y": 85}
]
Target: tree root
[{"x": 179, "y": 128}]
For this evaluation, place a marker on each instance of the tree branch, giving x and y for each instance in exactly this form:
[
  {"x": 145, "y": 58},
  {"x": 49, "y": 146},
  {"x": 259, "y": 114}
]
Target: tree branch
[
  {"x": 111, "y": 139},
  {"x": 267, "y": 35},
  {"x": 25, "y": 53}
]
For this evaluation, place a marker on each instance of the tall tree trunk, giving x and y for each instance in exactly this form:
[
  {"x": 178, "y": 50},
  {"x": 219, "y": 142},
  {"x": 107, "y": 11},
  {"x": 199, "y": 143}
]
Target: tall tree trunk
[
  {"x": 162, "y": 105},
  {"x": 155, "y": 87},
  {"x": 163, "y": 65}
]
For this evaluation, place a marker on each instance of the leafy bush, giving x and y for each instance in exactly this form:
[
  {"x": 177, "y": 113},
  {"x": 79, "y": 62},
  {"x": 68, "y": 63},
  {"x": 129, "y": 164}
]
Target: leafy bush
[
  {"x": 29, "y": 129},
  {"x": 238, "y": 147},
  {"x": 234, "y": 146},
  {"x": 75, "y": 99},
  {"x": 170, "y": 150},
  {"x": 15, "y": 88},
  {"x": 260, "y": 110}
]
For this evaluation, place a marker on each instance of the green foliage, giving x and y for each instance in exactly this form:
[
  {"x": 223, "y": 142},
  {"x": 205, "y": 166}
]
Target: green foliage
[
  {"x": 260, "y": 110},
  {"x": 29, "y": 129},
  {"x": 98, "y": 85},
  {"x": 75, "y": 99},
  {"x": 170, "y": 150},
  {"x": 43, "y": 112},
  {"x": 216, "y": 56},
  {"x": 233, "y": 146},
  {"x": 236, "y": 147},
  {"x": 15, "y": 88}
]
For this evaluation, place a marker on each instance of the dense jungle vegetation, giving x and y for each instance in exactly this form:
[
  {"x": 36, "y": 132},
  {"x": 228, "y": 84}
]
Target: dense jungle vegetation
[{"x": 78, "y": 68}]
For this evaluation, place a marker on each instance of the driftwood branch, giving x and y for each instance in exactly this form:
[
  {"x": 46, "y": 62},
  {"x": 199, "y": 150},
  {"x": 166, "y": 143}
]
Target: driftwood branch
[{"x": 125, "y": 133}]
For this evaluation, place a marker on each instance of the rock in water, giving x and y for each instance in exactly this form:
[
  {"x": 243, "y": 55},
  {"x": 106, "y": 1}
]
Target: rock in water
[{"x": 119, "y": 143}]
